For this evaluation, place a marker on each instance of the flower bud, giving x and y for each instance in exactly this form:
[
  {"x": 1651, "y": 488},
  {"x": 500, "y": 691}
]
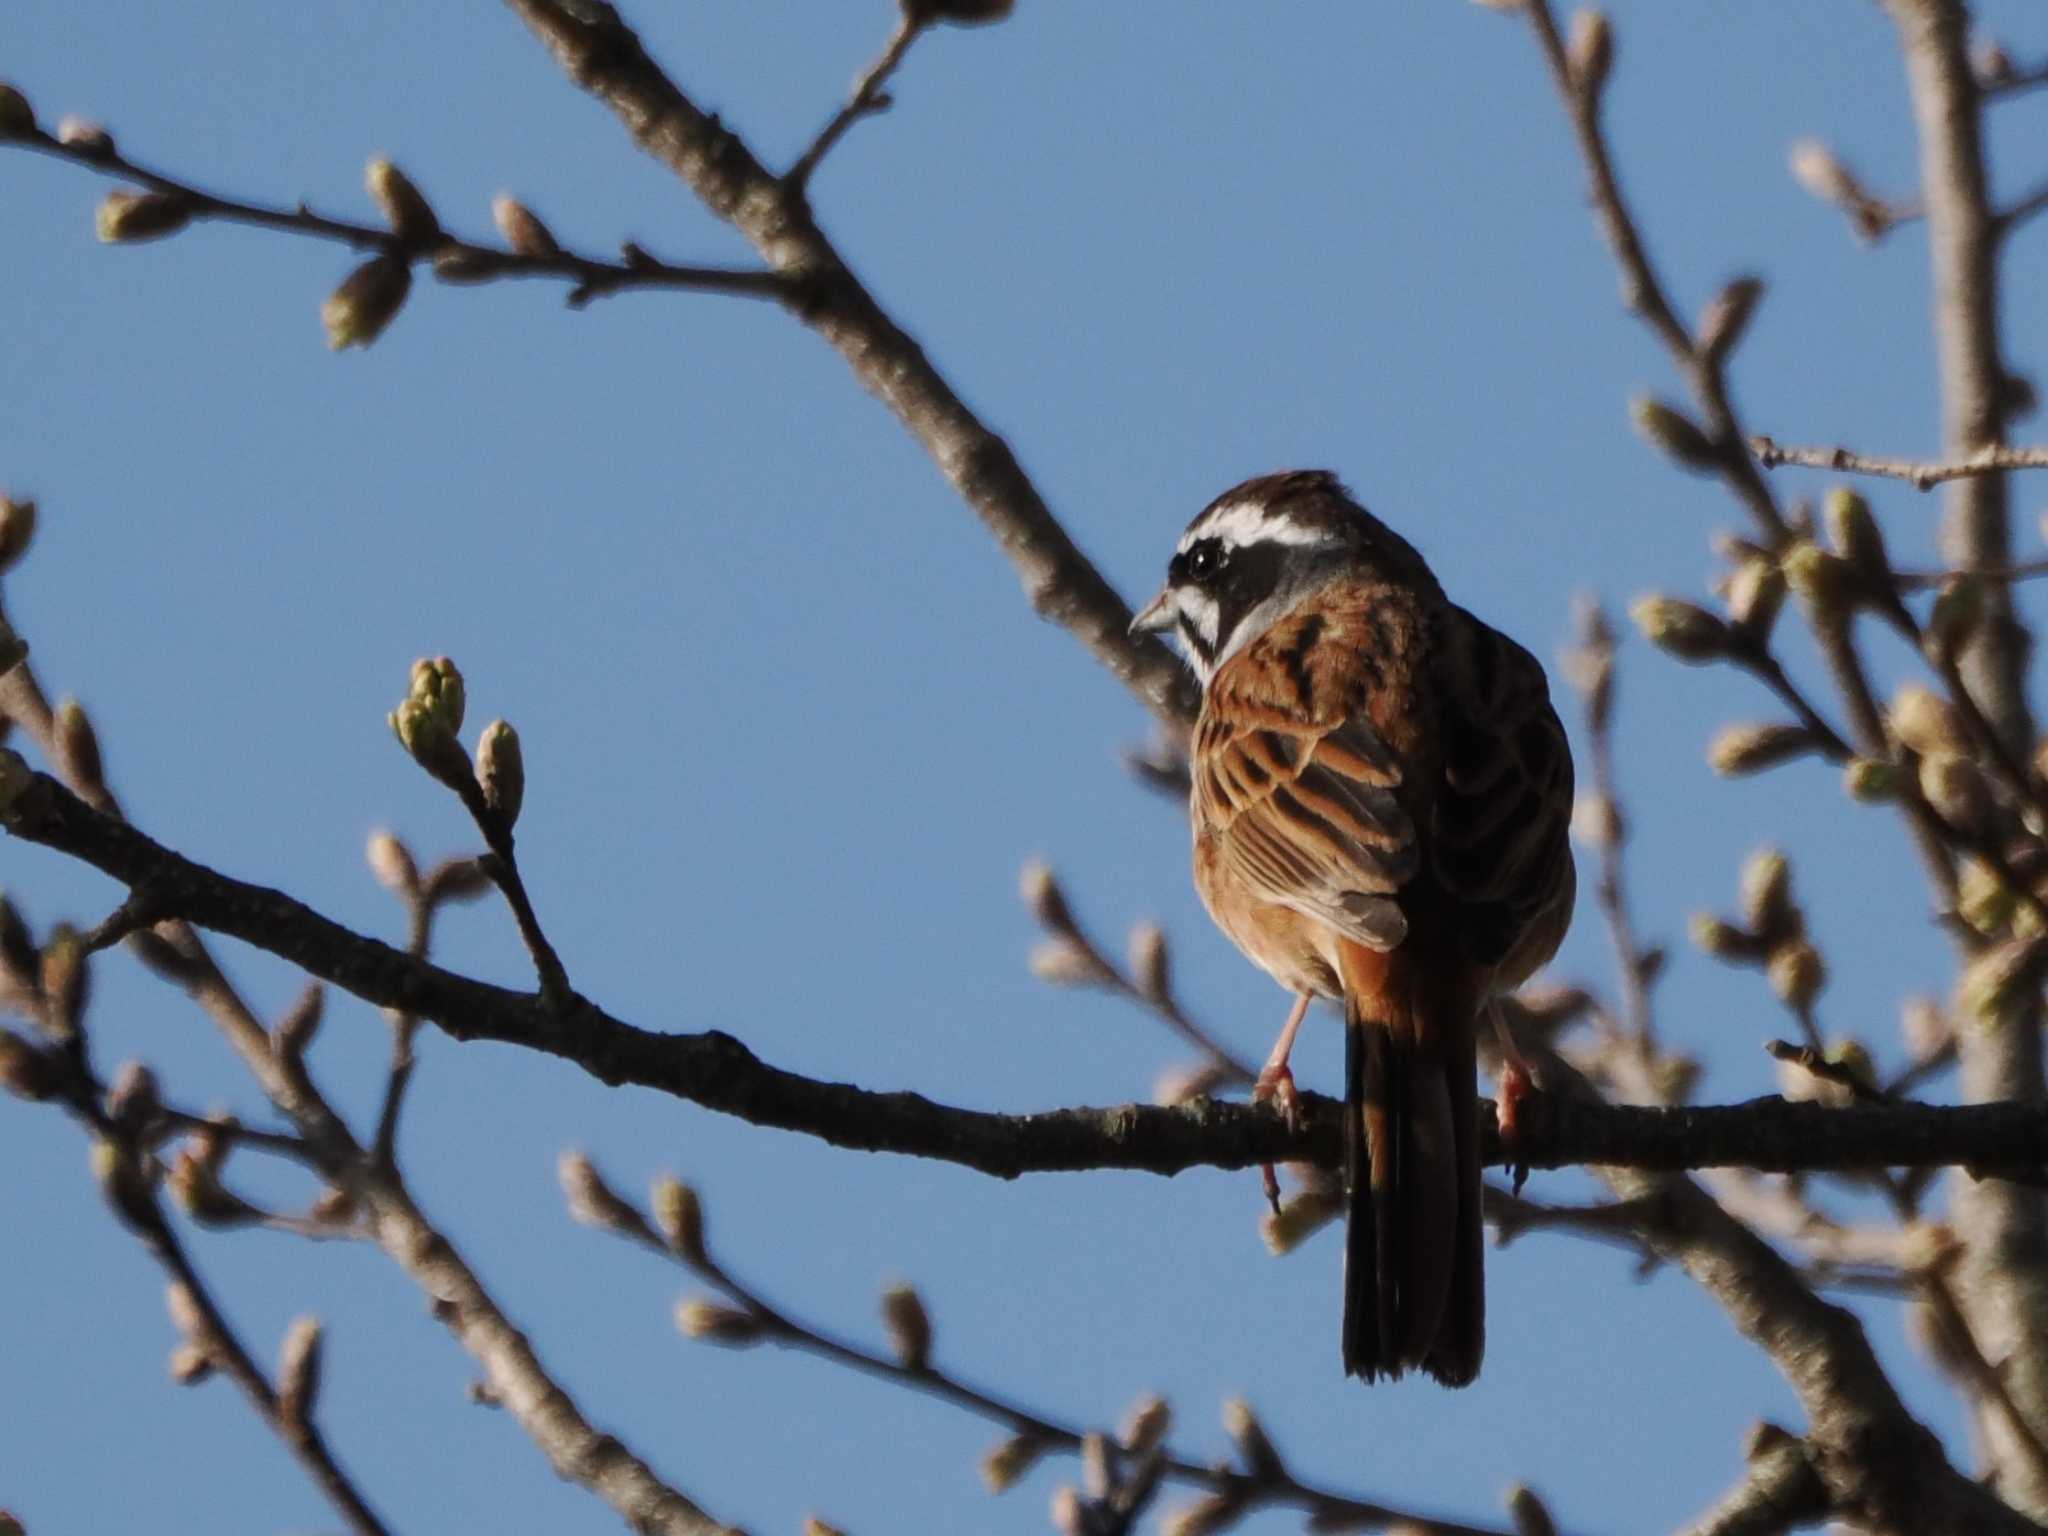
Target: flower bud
[
  {"x": 17, "y": 528},
  {"x": 123, "y": 1182},
  {"x": 1871, "y": 781},
  {"x": 1815, "y": 168},
  {"x": 1797, "y": 973},
  {"x": 1926, "y": 722},
  {"x": 1724, "y": 941},
  {"x": 1042, "y": 894},
  {"x": 522, "y": 228},
  {"x": 1149, "y": 963},
  {"x": 1063, "y": 963},
  {"x": 1767, "y": 894},
  {"x": 408, "y": 213},
  {"x": 1207, "y": 1515},
  {"x": 909, "y": 1326},
  {"x": 17, "y": 117},
  {"x": 717, "y": 1324},
  {"x": 1591, "y": 50},
  {"x": 680, "y": 1216},
  {"x": 437, "y": 682},
  {"x": 592, "y": 1202},
  {"x": 1673, "y": 431},
  {"x": 456, "y": 880},
  {"x": 194, "y": 1182},
  {"x": 134, "y": 1100},
  {"x": 465, "y": 264},
  {"x": 1254, "y": 1445},
  {"x": 1684, "y": 630},
  {"x": 1596, "y": 820},
  {"x": 1957, "y": 613},
  {"x": 1855, "y": 535},
  {"x": 1955, "y": 787},
  {"x": 1826, "y": 583},
  {"x": 501, "y": 771},
  {"x": 427, "y": 741},
  {"x": 391, "y": 862},
  {"x": 66, "y": 981},
  {"x": 1008, "y": 1460},
  {"x": 78, "y": 750},
  {"x": 85, "y": 136},
  {"x": 128, "y": 218},
  {"x": 367, "y": 301},
  {"x": 298, "y": 1372},
  {"x": 1145, "y": 1425},
  {"x": 1745, "y": 749},
  {"x": 25, "y": 1070},
  {"x": 1756, "y": 593},
  {"x": 1725, "y": 319}
]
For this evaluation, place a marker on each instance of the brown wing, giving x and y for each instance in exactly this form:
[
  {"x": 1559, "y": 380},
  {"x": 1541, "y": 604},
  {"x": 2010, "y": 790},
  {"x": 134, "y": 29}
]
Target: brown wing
[
  {"x": 1298, "y": 789},
  {"x": 1499, "y": 839}
]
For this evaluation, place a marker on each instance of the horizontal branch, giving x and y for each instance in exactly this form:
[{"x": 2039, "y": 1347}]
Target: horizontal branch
[
  {"x": 718, "y": 1072},
  {"x": 1920, "y": 473},
  {"x": 454, "y": 259}
]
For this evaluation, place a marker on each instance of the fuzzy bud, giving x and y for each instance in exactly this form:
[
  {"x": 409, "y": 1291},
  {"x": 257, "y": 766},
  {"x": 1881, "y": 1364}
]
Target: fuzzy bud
[
  {"x": 1041, "y": 891},
  {"x": 456, "y": 880},
  {"x": 123, "y": 1182},
  {"x": 1856, "y": 537},
  {"x": 409, "y": 214},
  {"x": 128, "y": 218},
  {"x": 17, "y": 117},
  {"x": 1591, "y": 50},
  {"x": 134, "y": 1100},
  {"x": 1815, "y": 168},
  {"x": 1724, "y": 941},
  {"x": 465, "y": 264},
  {"x": 437, "y": 683},
  {"x": 909, "y": 1326},
  {"x": 1674, "y": 432},
  {"x": 17, "y": 528},
  {"x": 1797, "y": 974},
  {"x": 1681, "y": 629},
  {"x": 1996, "y": 981},
  {"x": 1955, "y": 787},
  {"x": 427, "y": 741},
  {"x": 66, "y": 981},
  {"x": 522, "y": 228},
  {"x": 1958, "y": 612},
  {"x": 1064, "y": 963},
  {"x": 1204, "y": 1517},
  {"x": 1253, "y": 1444},
  {"x": 717, "y": 1324},
  {"x": 1096, "y": 1469},
  {"x": 78, "y": 750},
  {"x": 1008, "y": 1460},
  {"x": 391, "y": 862},
  {"x": 85, "y": 136},
  {"x": 1871, "y": 781},
  {"x": 1145, "y": 1425},
  {"x": 25, "y": 1070},
  {"x": 190, "y": 1365},
  {"x": 1926, "y": 722},
  {"x": 1745, "y": 749},
  {"x": 1767, "y": 894},
  {"x": 1725, "y": 319},
  {"x": 680, "y": 1216},
  {"x": 1596, "y": 820},
  {"x": 367, "y": 301},
  {"x": 501, "y": 770},
  {"x": 298, "y": 1372},
  {"x": 592, "y": 1202},
  {"x": 1827, "y": 584},
  {"x": 194, "y": 1183},
  {"x": 1756, "y": 594},
  {"x": 1149, "y": 962}
]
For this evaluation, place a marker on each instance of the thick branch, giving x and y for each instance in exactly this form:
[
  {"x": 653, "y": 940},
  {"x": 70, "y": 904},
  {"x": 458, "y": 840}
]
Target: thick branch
[
  {"x": 718, "y": 1072},
  {"x": 603, "y": 55}
]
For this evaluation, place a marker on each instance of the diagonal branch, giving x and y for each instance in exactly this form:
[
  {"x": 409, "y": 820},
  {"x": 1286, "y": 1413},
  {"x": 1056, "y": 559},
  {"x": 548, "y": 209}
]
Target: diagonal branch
[{"x": 604, "y": 56}]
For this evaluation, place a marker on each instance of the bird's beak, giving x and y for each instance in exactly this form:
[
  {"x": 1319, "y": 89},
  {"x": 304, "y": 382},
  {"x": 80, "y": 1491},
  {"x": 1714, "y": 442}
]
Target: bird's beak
[{"x": 1156, "y": 615}]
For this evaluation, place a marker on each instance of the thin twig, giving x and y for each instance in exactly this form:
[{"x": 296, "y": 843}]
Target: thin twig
[
  {"x": 868, "y": 98},
  {"x": 592, "y": 277},
  {"x": 1922, "y": 474}
]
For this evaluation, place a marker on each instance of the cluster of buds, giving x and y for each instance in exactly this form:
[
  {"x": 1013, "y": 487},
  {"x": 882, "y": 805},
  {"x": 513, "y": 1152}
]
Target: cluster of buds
[
  {"x": 1854, "y": 575},
  {"x": 1770, "y": 932},
  {"x": 1931, "y": 732},
  {"x": 1119, "y": 1475},
  {"x": 427, "y": 722}
]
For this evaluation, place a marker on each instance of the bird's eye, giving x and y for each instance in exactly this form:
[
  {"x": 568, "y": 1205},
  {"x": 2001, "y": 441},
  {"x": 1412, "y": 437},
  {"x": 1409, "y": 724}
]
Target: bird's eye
[{"x": 1206, "y": 559}]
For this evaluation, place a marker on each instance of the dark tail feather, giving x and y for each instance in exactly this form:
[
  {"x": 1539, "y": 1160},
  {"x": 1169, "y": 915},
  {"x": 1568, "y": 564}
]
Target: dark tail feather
[{"x": 1413, "y": 1264}]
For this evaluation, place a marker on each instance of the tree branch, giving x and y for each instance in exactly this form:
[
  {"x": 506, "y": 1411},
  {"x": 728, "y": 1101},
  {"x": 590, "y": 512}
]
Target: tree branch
[
  {"x": 604, "y": 56},
  {"x": 1922, "y": 474},
  {"x": 718, "y": 1072}
]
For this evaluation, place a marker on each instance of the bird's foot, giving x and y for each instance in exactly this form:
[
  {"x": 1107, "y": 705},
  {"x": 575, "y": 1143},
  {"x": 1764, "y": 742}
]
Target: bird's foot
[{"x": 1276, "y": 1083}]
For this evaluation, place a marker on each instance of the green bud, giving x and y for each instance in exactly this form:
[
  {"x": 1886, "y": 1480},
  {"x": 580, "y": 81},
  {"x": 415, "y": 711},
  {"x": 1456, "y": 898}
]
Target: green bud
[
  {"x": 1955, "y": 787},
  {"x": 1871, "y": 781},
  {"x": 501, "y": 770},
  {"x": 1684, "y": 630},
  {"x": 123, "y": 1182},
  {"x": 1958, "y": 610},
  {"x": 66, "y": 980},
  {"x": 1756, "y": 593},
  {"x": 680, "y": 1216},
  {"x": 1926, "y": 722},
  {"x": 424, "y": 734},
  {"x": 409, "y": 214},
  {"x": 1008, "y": 1460},
  {"x": 1724, "y": 941},
  {"x": 367, "y": 301},
  {"x": 128, "y": 218},
  {"x": 522, "y": 228},
  {"x": 438, "y": 681},
  {"x": 1856, "y": 537},
  {"x": 1826, "y": 583},
  {"x": 461, "y": 264},
  {"x": 1676, "y": 433}
]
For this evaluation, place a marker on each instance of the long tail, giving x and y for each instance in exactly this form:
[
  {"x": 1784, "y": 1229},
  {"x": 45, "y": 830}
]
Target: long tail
[{"x": 1414, "y": 1270}]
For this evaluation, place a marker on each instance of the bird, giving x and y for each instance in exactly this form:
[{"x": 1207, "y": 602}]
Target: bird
[{"x": 1381, "y": 799}]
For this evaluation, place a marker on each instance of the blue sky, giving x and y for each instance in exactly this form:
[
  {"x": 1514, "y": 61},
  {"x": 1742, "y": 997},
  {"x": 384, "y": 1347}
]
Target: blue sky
[{"x": 790, "y": 732}]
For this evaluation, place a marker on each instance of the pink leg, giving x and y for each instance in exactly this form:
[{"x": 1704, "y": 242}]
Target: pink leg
[
  {"x": 1517, "y": 1082},
  {"x": 1276, "y": 1081}
]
